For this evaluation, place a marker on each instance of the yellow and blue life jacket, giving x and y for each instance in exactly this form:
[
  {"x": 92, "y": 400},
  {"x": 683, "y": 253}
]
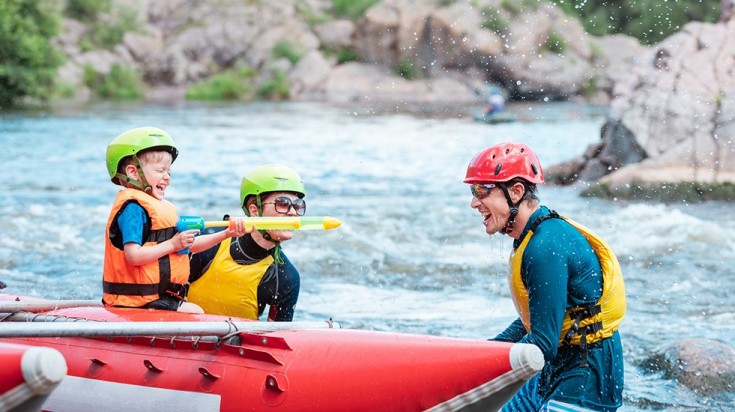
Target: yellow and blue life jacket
[{"x": 581, "y": 325}]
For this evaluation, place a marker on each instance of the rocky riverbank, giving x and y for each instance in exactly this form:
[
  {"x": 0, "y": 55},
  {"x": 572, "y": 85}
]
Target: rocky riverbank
[
  {"x": 671, "y": 116},
  {"x": 671, "y": 121},
  {"x": 445, "y": 54}
]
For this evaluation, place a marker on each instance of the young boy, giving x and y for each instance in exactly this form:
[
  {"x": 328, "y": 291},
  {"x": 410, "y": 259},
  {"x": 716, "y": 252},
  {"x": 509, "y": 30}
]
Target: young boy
[{"x": 143, "y": 266}]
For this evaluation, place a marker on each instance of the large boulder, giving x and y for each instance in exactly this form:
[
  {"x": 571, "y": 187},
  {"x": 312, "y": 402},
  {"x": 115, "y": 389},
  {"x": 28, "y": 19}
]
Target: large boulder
[
  {"x": 533, "y": 67},
  {"x": 613, "y": 57},
  {"x": 674, "y": 114},
  {"x": 389, "y": 31},
  {"x": 371, "y": 83},
  {"x": 703, "y": 365},
  {"x": 437, "y": 39}
]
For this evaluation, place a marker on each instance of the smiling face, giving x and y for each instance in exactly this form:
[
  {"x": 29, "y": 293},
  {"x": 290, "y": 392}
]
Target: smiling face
[
  {"x": 157, "y": 169},
  {"x": 492, "y": 205},
  {"x": 278, "y": 208}
]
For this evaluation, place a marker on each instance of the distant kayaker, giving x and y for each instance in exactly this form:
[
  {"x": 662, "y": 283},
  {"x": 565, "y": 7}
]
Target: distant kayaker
[
  {"x": 142, "y": 268},
  {"x": 241, "y": 276},
  {"x": 495, "y": 101},
  {"x": 566, "y": 284}
]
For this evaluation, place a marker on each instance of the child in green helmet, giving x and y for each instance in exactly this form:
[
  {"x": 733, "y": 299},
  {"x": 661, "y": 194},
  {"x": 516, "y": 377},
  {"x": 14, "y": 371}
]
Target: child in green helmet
[
  {"x": 243, "y": 275},
  {"x": 143, "y": 265}
]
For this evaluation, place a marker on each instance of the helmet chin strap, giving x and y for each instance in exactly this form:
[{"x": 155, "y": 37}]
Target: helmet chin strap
[
  {"x": 142, "y": 184},
  {"x": 512, "y": 206}
]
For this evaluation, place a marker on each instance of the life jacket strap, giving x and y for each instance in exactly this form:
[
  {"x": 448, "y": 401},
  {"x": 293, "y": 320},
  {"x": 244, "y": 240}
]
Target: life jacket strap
[
  {"x": 176, "y": 290},
  {"x": 579, "y": 315},
  {"x": 583, "y": 348}
]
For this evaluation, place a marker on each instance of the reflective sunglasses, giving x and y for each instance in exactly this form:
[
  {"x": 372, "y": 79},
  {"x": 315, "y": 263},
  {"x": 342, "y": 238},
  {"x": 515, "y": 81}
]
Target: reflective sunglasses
[
  {"x": 480, "y": 191},
  {"x": 283, "y": 204}
]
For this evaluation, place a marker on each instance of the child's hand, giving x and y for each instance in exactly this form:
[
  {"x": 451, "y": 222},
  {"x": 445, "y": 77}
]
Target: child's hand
[
  {"x": 238, "y": 228},
  {"x": 185, "y": 239}
]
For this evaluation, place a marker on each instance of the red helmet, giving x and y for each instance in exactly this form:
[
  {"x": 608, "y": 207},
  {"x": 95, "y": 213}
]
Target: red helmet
[{"x": 503, "y": 162}]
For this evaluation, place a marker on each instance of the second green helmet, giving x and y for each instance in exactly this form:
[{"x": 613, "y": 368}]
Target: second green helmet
[{"x": 270, "y": 178}]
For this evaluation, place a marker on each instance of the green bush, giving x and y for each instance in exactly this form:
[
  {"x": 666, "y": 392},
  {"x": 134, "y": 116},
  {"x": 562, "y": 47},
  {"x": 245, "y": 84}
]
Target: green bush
[
  {"x": 101, "y": 33},
  {"x": 65, "y": 90},
  {"x": 352, "y": 9},
  {"x": 288, "y": 51},
  {"x": 691, "y": 192},
  {"x": 234, "y": 84},
  {"x": 105, "y": 35},
  {"x": 277, "y": 88},
  {"x": 120, "y": 84},
  {"x": 28, "y": 60},
  {"x": 650, "y": 21},
  {"x": 493, "y": 21},
  {"x": 311, "y": 17},
  {"x": 511, "y": 6},
  {"x": 555, "y": 43},
  {"x": 347, "y": 54},
  {"x": 407, "y": 70},
  {"x": 596, "y": 50},
  {"x": 86, "y": 10},
  {"x": 590, "y": 87}
]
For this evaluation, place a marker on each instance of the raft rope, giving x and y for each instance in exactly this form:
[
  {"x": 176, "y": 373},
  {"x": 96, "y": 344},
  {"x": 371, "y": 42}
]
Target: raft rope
[{"x": 228, "y": 335}]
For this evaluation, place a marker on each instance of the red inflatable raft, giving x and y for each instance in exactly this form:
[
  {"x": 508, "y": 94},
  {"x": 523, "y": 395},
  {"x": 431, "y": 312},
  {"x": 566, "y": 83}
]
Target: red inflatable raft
[
  {"x": 27, "y": 375},
  {"x": 148, "y": 360}
]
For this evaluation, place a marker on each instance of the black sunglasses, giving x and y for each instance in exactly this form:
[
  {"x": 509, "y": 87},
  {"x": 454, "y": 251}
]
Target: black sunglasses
[{"x": 283, "y": 204}]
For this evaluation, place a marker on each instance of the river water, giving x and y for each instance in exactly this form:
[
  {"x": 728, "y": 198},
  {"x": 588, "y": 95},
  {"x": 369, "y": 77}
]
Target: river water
[{"x": 411, "y": 255}]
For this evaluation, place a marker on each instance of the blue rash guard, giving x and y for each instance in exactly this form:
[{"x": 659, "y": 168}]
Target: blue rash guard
[
  {"x": 560, "y": 271},
  {"x": 131, "y": 221}
]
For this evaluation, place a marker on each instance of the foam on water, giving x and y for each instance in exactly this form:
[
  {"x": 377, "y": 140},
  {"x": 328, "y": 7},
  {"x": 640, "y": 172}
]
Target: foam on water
[{"x": 411, "y": 255}]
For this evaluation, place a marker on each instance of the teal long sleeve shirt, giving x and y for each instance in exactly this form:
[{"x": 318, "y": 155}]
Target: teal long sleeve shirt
[{"x": 560, "y": 270}]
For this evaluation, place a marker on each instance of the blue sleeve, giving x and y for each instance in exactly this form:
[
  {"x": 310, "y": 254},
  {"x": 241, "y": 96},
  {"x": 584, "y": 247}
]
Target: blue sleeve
[
  {"x": 131, "y": 221},
  {"x": 545, "y": 272},
  {"x": 513, "y": 333}
]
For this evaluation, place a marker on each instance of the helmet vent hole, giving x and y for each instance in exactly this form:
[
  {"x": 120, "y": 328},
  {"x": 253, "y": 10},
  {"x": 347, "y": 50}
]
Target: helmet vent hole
[
  {"x": 498, "y": 167},
  {"x": 535, "y": 170}
]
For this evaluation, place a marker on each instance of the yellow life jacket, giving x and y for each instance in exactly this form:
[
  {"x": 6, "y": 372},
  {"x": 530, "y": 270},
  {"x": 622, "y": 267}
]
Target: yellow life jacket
[
  {"x": 134, "y": 286},
  {"x": 597, "y": 322},
  {"x": 229, "y": 288}
]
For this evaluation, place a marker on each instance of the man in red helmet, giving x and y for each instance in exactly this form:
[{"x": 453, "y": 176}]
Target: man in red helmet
[{"x": 566, "y": 284}]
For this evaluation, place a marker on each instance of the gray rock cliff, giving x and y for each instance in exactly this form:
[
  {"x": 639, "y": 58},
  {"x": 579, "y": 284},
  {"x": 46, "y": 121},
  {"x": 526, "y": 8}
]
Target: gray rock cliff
[
  {"x": 177, "y": 43},
  {"x": 672, "y": 118}
]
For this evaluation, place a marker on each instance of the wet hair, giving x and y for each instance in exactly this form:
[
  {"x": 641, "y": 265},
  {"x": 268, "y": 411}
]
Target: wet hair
[
  {"x": 144, "y": 156},
  {"x": 151, "y": 156},
  {"x": 531, "y": 193}
]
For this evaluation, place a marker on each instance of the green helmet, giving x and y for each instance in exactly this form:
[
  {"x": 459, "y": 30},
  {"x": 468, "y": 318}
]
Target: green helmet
[
  {"x": 270, "y": 178},
  {"x": 135, "y": 141}
]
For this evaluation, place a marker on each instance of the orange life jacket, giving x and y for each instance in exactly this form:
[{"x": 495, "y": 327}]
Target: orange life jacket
[{"x": 134, "y": 286}]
